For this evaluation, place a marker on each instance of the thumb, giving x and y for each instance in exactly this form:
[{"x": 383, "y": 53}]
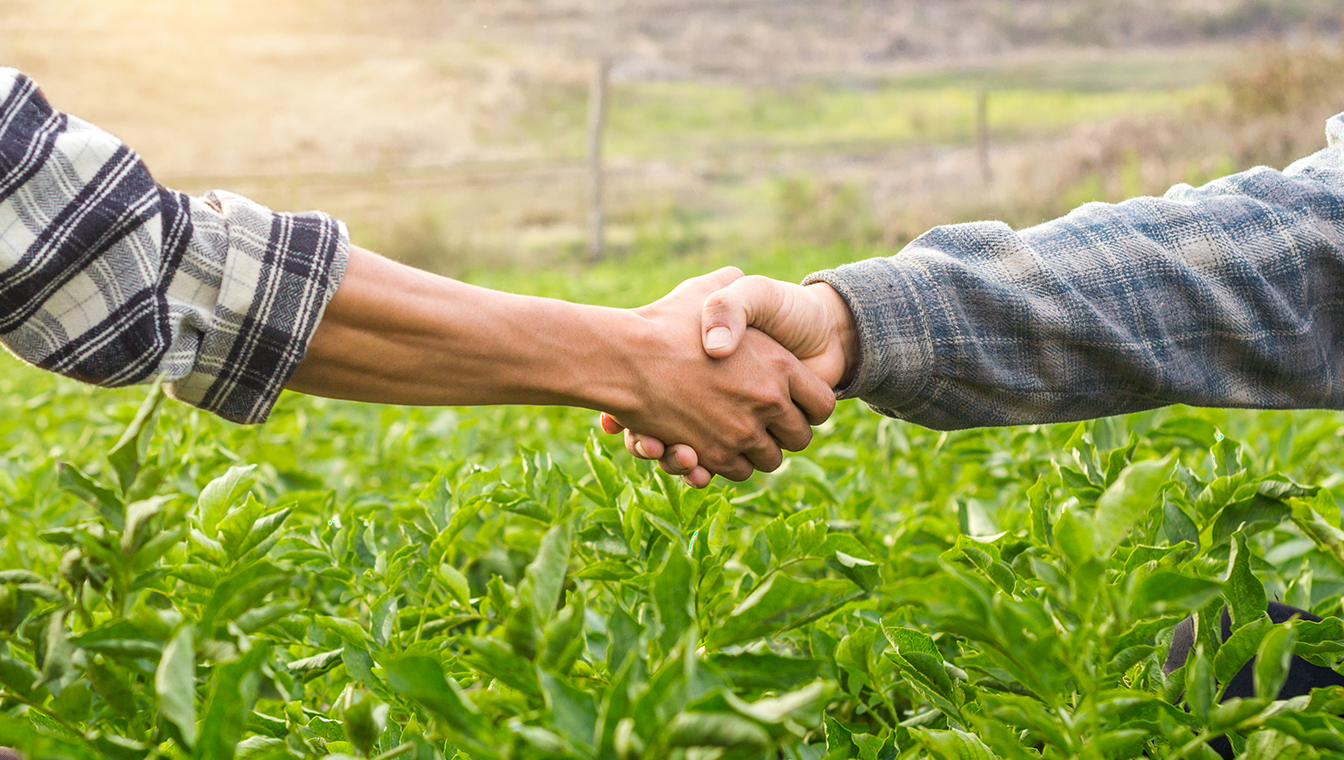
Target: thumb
[{"x": 728, "y": 311}]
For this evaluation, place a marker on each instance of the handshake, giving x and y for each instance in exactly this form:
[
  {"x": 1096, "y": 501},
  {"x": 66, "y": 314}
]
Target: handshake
[
  {"x": 715, "y": 378},
  {"x": 770, "y": 354}
]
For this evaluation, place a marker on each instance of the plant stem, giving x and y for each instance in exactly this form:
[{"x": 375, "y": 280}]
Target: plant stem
[
  {"x": 396, "y": 751},
  {"x": 1190, "y": 746}
]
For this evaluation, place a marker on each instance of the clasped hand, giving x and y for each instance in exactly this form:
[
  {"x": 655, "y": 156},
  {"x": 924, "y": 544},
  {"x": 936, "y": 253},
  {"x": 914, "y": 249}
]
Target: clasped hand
[{"x": 776, "y": 352}]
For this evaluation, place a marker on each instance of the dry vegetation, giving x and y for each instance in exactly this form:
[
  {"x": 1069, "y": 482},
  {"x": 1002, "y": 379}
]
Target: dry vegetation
[{"x": 447, "y": 133}]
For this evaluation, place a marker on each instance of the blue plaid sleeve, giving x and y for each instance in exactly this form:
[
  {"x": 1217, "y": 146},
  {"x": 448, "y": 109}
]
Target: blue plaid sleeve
[
  {"x": 1230, "y": 294},
  {"x": 109, "y": 278}
]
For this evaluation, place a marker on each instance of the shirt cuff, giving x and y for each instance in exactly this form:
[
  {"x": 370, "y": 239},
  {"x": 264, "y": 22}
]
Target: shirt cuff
[
  {"x": 896, "y": 352},
  {"x": 275, "y": 273}
]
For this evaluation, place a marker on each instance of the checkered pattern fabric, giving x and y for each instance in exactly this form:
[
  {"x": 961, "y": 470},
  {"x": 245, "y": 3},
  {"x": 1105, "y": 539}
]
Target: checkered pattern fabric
[
  {"x": 1230, "y": 294},
  {"x": 111, "y": 279}
]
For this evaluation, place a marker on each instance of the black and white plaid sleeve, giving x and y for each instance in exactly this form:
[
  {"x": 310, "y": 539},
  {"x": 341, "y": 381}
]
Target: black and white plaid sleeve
[{"x": 109, "y": 278}]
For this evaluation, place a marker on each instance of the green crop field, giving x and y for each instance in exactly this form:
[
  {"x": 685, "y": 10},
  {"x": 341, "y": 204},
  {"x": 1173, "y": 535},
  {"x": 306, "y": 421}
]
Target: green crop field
[{"x": 360, "y": 581}]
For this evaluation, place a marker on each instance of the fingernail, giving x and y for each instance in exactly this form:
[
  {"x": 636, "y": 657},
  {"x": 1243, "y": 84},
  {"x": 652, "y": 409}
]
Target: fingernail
[
  {"x": 639, "y": 446},
  {"x": 717, "y": 337}
]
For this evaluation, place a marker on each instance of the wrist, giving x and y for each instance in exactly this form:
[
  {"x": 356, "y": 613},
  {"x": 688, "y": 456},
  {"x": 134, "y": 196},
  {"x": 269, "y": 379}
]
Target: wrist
[
  {"x": 842, "y": 331},
  {"x": 602, "y": 372}
]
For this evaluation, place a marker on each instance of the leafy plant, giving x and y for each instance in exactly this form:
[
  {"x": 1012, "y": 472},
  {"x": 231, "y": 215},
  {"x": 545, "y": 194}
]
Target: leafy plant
[{"x": 330, "y": 585}]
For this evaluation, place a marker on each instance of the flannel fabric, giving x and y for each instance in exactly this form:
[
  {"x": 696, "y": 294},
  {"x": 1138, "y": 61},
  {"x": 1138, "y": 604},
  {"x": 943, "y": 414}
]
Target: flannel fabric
[
  {"x": 109, "y": 278},
  {"x": 1230, "y": 294}
]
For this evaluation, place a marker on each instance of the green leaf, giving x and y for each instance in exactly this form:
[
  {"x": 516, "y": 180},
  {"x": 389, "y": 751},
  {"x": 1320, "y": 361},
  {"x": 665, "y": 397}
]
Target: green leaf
[
  {"x": 717, "y": 730},
  {"x": 953, "y": 745},
  {"x": 1178, "y": 525},
  {"x": 233, "y": 692},
  {"x": 1075, "y": 536},
  {"x": 350, "y": 631},
  {"x": 311, "y": 667},
  {"x": 520, "y": 629},
  {"x": 1273, "y": 659},
  {"x": 764, "y": 671},
  {"x": 922, "y": 664},
  {"x": 219, "y": 496},
  {"x": 546, "y": 573},
  {"x": 609, "y": 481},
  {"x": 258, "y": 618},
  {"x": 1231, "y": 713},
  {"x": 573, "y": 711},
  {"x": 129, "y": 452},
  {"x": 780, "y": 604},
  {"x": 623, "y": 633},
  {"x": 997, "y": 571},
  {"x": 456, "y": 583},
  {"x": 672, "y": 592},
  {"x": 1167, "y": 591},
  {"x": 1322, "y": 731},
  {"x": 1239, "y": 648},
  {"x": 1041, "y": 529},
  {"x": 1132, "y": 496},
  {"x": 363, "y": 719},
  {"x": 864, "y": 572},
  {"x": 1251, "y": 515},
  {"x": 262, "y": 531},
  {"x": 563, "y": 638},
  {"x": 421, "y": 679},
  {"x": 56, "y": 659},
  {"x": 73, "y": 480},
  {"x": 801, "y": 707},
  {"x": 175, "y": 683},
  {"x": 235, "y": 526},
  {"x": 1199, "y": 684},
  {"x": 497, "y": 660},
  {"x": 359, "y": 665},
  {"x": 1327, "y": 537},
  {"x": 1245, "y": 594},
  {"x": 139, "y": 523},
  {"x": 608, "y": 570}
]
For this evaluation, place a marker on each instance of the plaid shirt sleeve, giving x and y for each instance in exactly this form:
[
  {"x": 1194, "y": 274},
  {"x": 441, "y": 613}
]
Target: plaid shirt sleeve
[
  {"x": 1231, "y": 294},
  {"x": 109, "y": 278}
]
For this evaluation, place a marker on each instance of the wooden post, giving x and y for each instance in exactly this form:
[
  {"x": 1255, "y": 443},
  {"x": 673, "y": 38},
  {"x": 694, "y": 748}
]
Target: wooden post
[
  {"x": 982, "y": 134},
  {"x": 597, "y": 123}
]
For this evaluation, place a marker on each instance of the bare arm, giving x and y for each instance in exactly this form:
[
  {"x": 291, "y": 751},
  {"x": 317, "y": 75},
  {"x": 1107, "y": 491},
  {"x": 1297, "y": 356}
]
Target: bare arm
[{"x": 396, "y": 334}]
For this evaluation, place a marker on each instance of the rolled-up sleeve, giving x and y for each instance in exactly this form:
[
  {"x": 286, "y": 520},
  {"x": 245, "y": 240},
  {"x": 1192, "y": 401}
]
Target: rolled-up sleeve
[
  {"x": 111, "y": 279},
  {"x": 1230, "y": 294}
]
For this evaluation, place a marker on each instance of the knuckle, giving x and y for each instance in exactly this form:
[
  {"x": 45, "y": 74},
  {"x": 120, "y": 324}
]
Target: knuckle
[
  {"x": 772, "y": 461},
  {"x": 799, "y": 440}
]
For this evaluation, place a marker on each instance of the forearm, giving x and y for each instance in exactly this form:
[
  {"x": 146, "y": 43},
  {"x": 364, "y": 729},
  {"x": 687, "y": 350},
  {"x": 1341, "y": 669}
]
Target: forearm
[
  {"x": 394, "y": 334},
  {"x": 1227, "y": 295}
]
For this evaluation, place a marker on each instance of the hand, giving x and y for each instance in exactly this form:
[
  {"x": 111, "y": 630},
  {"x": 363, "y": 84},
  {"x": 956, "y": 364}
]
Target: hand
[
  {"x": 736, "y": 412},
  {"x": 814, "y": 322}
]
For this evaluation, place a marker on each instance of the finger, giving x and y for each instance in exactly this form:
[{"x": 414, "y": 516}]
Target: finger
[
  {"x": 765, "y": 456},
  {"x": 706, "y": 283},
  {"x": 813, "y": 395},
  {"x": 718, "y": 279},
  {"x": 792, "y": 431},
  {"x": 609, "y": 424},
  {"x": 728, "y": 311},
  {"x": 736, "y": 470},
  {"x": 698, "y": 478},
  {"x": 643, "y": 446},
  {"x": 679, "y": 459},
  {"x": 673, "y": 466}
]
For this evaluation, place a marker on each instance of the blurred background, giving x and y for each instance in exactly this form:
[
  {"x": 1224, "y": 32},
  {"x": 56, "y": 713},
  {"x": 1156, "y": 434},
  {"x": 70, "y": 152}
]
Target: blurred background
[{"x": 455, "y": 134}]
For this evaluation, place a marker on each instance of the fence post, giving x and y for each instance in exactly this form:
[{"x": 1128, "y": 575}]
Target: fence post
[
  {"x": 597, "y": 124},
  {"x": 982, "y": 134}
]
